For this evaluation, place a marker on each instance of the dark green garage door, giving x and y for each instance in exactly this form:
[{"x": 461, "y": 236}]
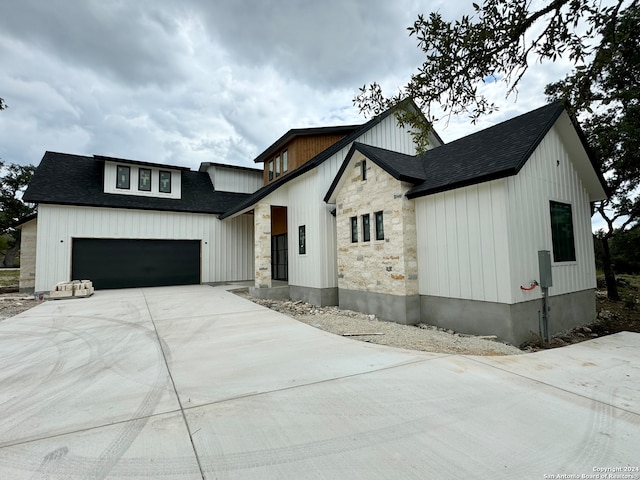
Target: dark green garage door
[{"x": 124, "y": 263}]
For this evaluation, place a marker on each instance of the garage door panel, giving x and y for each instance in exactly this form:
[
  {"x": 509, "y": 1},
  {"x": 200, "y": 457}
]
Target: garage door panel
[{"x": 126, "y": 263}]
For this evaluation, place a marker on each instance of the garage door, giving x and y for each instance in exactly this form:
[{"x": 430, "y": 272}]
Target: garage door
[{"x": 125, "y": 263}]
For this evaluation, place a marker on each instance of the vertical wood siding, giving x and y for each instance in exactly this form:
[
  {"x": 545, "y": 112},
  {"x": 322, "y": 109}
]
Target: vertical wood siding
[
  {"x": 226, "y": 247},
  {"x": 548, "y": 175},
  {"x": 463, "y": 243}
]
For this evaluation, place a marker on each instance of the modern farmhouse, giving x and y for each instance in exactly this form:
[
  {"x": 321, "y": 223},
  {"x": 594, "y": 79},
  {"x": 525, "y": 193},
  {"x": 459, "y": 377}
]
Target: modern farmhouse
[{"x": 345, "y": 215}]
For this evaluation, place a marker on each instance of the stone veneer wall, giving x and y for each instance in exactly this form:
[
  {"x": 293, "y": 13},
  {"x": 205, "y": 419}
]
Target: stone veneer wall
[
  {"x": 262, "y": 235},
  {"x": 28, "y": 256},
  {"x": 386, "y": 266}
]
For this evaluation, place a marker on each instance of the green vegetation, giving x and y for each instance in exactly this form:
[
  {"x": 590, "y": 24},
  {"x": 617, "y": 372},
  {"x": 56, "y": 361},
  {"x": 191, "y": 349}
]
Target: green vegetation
[{"x": 9, "y": 278}]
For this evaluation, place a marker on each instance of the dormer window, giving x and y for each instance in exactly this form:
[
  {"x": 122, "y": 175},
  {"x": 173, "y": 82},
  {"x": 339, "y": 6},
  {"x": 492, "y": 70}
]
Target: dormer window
[
  {"x": 144, "y": 179},
  {"x": 285, "y": 161},
  {"x": 165, "y": 181},
  {"x": 124, "y": 177},
  {"x": 277, "y": 165}
]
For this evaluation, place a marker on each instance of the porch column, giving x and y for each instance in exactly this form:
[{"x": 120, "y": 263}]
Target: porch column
[{"x": 262, "y": 244}]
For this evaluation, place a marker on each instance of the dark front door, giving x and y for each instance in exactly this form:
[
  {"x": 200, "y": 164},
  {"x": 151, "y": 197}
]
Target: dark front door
[
  {"x": 127, "y": 263},
  {"x": 279, "y": 257}
]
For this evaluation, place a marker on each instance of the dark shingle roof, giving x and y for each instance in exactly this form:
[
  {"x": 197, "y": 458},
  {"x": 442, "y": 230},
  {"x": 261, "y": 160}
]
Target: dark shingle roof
[
  {"x": 496, "y": 152},
  {"x": 403, "y": 167},
  {"x": 66, "y": 179}
]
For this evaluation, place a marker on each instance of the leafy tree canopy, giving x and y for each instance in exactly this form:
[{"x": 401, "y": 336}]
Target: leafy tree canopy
[
  {"x": 498, "y": 43},
  {"x": 14, "y": 179}
]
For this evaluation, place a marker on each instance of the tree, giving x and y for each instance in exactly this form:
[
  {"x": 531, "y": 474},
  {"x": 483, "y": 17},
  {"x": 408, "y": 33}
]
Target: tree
[
  {"x": 613, "y": 128},
  {"x": 14, "y": 179},
  {"x": 2, "y": 104},
  {"x": 500, "y": 42}
]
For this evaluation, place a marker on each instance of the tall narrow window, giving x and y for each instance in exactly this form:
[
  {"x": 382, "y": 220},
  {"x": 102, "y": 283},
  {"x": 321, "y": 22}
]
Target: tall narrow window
[
  {"x": 285, "y": 161},
  {"x": 366, "y": 228},
  {"x": 564, "y": 249},
  {"x": 379, "y": 226},
  {"x": 277, "y": 165},
  {"x": 270, "y": 170},
  {"x": 124, "y": 177},
  {"x": 302, "y": 239},
  {"x": 363, "y": 169},
  {"x": 354, "y": 229},
  {"x": 144, "y": 179},
  {"x": 165, "y": 181}
]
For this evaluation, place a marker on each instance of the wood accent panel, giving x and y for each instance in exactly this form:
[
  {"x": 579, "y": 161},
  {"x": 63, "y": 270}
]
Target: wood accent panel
[
  {"x": 300, "y": 151},
  {"x": 278, "y": 220}
]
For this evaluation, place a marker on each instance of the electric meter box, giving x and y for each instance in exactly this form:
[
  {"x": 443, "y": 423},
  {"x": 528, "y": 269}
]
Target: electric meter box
[{"x": 544, "y": 264}]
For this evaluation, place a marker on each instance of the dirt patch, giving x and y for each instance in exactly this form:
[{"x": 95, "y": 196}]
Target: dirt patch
[
  {"x": 12, "y": 304},
  {"x": 613, "y": 317}
]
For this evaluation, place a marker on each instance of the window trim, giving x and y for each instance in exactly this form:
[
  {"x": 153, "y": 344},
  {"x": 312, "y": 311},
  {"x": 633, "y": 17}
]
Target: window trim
[
  {"x": 160, "y": 189},
  {"x": 121, "y": 185},
  {"x": 558, "y": 244},
  {"x": 277, "y": 165},
  {"x": 366, "y": 227},
  {"x": 379, "y": 217},
  {"x": 140, "y": 185},
  {"x": 270, "y": 169},
  {"x": 354, "y": 229},
  {"x": 285, "y": 161},
  {"x": 302, "y": 240}
]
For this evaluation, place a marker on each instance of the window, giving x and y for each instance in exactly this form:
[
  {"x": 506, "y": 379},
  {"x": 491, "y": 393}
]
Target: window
[
  {"x": 270, "y": 170},
  {"x": 278, "y": 166},
  {"x": 363, "y": 169},
  {"x": 302, "y": 240},
  {"x": 354, "y": 229},
  {"x": 564, "y": 249},
  {"x": 165, "y": 181},
  {"x": 379, "y": 226},
  {"x": 366, "y": 228},
  {"x": 124, "y": 177},
  {"x": 285, "y": 161},
  {"x": 144, "y": 179}
]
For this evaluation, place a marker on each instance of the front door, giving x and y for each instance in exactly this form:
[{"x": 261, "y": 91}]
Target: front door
[{"x": 279, "y": 257}]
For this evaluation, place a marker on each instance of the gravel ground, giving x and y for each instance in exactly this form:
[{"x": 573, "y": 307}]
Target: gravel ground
[
  {"x": 367, "y": 328},
  {"x": 14, "y": 303}
]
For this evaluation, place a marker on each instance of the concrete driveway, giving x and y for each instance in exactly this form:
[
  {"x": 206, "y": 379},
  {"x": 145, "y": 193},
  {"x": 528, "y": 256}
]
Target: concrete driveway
[{"x": 195, "y": 382}]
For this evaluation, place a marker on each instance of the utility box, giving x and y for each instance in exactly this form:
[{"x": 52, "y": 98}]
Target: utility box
[{"x": 544, "y": 264}]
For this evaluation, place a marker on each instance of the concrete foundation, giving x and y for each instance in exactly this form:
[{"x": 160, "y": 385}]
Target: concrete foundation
[
  {"x": 392, "y": 308},
  {"x": 321, "y": 297},
  {"x": 272, "y": 293},
  {"x": 511, "y": 323}
]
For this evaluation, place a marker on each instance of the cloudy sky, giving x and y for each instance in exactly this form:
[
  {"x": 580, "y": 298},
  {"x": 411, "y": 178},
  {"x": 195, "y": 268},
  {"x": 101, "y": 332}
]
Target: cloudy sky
[{"x": 190, "y": 81}]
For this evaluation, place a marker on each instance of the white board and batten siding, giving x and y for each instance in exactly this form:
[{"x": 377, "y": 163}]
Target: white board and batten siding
[
  {"x": 303, "y": 197},
  {"x": 226, "y": 247},
  {"x": 549, "y": 175},
  {"x": 234, "y": 179},
  {"x": 463, "y": 248},
  {"x": 481, "y": 242}
]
